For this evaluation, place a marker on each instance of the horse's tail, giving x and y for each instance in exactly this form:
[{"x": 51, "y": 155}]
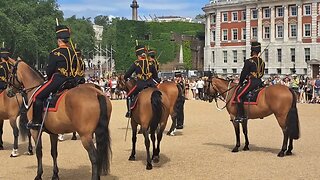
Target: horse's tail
[
  {"x": 157, "y": 108},
  {"x": 103, "y": 138},
  {"x": 180, "y": 100},
  {"x": 23, "y": 123},
  {"x": 293, "y": 126}
]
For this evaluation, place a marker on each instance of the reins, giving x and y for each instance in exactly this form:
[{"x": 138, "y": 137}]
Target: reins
[{"x": 220, "y": 95}]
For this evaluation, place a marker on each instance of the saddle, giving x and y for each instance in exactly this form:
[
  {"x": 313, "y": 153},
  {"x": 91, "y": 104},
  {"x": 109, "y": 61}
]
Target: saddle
[
  {"x": 134, "y": 101},
  {"x": 251, "y": 98}
]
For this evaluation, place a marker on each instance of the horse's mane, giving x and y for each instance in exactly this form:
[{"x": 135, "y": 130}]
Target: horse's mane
[{"x": 37, "y": 72}]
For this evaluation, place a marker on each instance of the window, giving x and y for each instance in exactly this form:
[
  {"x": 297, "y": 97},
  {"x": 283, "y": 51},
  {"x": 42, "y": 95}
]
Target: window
[
  {"x": 305, "y": 70},
  {"x": 244, "y": 33},
  {"x": 234, "y": 16},
  {"x": 213, "y": 57},
  {"x": 266, "y": 55},
  {"x": 254, "y": 14},
  {"x": 244, "y": 55},
  {"x": 293, "y": 30},
  {"x": 224, "y": 17},
  {"x": 266, "y": 12},
  {"x": 266, "y": 71},
  {"x": 225, "y": 35},
  {"x": 235, "y": 56},
  {"x": 244, "y": 15},
  {"x": 292, "y": 70},
  {"x": 307, "y": 30},
  {"x": 279, "y": 54},
  {"x": 307, "y": 10},
  {"x": 234, "y": 34},
  {"x": 266, "y": 32},
  {"x": 293, "y": 10},
  {"x": 214, "y": 35},
  {"x": 254, "y": 33},
  {"x": 224, "y": 71},
  {"x": 234, "y": 71},
  {"x": 279, "y": 11},
  {"x": 225, "y": 56},
  {"x": 213, "y": 19},
  {"x": 307, "y": 54},
  {"x": 279, "y": 70},
  {"x": 279, "y": 31},
  {"x": 293, "y": 54}
]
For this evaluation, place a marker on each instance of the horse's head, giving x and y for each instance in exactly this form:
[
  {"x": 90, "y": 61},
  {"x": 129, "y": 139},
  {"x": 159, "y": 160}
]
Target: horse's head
[
  {"x": 14, "y": 78},
  {"x": 124, "y": 84},
  {"x": 210, "y": 90}
]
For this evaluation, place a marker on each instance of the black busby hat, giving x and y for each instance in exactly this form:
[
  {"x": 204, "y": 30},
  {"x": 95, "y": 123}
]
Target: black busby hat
[
  {"x": 62, "y": 32},
  {"x": 152, "y": 53},
  {"x": 140, "y": 49},
  {"x": 256, "y": 47},
  {"x": 4, "y": 53}
]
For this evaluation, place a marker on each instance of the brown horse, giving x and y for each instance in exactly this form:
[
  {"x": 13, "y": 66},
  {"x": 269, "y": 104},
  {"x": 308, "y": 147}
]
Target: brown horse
[
  {"x": 276, "y": 99},
  {"x": 10, "y": 109},
  {"x": 151, "y": 111},
  {"x": 83, "y": 109}
]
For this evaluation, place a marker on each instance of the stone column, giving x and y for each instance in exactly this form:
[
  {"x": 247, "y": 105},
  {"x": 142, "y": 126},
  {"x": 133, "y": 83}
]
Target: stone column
[
  {"x": 248, "y": 31},
  {"x": 285, "y": 24},
  {"x": 299, "y": 28},
  {"x": 314, "y": 22},
  {"x": 260, "y": 30},
  {"x": 208, "y": 31},
  {"x": 218, "y": 28},
  {"x": 272, "y": 24}
]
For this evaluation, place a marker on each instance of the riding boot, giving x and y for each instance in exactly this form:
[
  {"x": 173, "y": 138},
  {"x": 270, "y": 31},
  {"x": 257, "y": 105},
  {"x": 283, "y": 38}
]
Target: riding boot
[
  {"x": 128, "y": 114},
  {"x": 37, "y": 115},
  {"x": 240, "y": 113}
]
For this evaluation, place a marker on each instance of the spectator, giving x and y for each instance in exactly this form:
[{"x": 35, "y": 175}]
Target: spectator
[{"x": 200, "y": 85}]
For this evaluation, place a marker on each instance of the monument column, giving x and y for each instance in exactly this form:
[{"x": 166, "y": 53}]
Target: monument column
[{"x": 134, "y": 7}]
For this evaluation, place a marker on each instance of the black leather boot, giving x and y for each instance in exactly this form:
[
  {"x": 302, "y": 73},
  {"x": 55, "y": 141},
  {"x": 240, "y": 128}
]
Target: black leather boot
[
  {"x": 37, "y": 115},
  {"x": 128, "y": 114},
  {"x": 240, "y": 113}
]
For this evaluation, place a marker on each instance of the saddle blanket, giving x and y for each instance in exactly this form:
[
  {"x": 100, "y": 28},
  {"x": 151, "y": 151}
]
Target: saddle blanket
[
  {"x": 55, "y": 101},
  {"x": 134, "y": 102},
  {"x": 255, "y": 94}
]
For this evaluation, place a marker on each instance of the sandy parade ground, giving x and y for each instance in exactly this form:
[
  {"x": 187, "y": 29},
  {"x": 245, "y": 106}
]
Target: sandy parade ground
[{"x": 202, "y": 150}]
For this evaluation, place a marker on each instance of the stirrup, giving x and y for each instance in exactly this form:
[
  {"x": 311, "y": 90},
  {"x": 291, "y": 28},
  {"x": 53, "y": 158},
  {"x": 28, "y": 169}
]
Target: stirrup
[
  {"x": 31, "y": 125},
  {"x": 128, "y": 114}
]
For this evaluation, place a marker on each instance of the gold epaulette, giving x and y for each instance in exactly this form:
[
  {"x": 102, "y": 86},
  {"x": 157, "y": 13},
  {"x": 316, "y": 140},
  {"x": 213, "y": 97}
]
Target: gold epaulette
[{"x": 55, "y": 49}]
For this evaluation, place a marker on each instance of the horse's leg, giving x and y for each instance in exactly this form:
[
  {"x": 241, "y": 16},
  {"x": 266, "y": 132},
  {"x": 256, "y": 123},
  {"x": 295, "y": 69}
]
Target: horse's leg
[
  {"x": 290, "y": 147},
  {"x": 284, "y": 143},
  {"x": 15, "y": 129},
  {"x": 1, "y": 132},
  {"x": 147, "y": 144},
  {"x": 74, "y": 136},
  {"x": 153, "y": 139},
  {"x": 159, "y": 138},
  {"x": 245, "y": 132},
  {"x": 54, "y": 154},
  {"x": 92, "y": 152},
  {"x": 237, "y": 131},
  {"x": 173, "y": 125},
  {"x": 30, "y": 149},
  {"x": 35, "y": 135},
  {"x": 134, "y": 126}
]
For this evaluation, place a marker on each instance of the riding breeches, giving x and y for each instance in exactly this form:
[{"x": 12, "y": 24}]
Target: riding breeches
[{"x": 249, "y": 86}]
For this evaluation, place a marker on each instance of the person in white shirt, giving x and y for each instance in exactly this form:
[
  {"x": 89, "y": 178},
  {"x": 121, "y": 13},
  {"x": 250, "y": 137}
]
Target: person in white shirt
[{"x": 200, "y": 85}]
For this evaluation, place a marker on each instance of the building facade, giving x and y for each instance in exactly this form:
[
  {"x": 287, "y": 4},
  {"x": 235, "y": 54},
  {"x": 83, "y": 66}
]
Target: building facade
[{"x": 289, "y": 33}]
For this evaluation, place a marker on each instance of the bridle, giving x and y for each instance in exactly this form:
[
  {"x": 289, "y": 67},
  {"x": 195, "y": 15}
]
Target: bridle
[{"x": 217, "y": 95}]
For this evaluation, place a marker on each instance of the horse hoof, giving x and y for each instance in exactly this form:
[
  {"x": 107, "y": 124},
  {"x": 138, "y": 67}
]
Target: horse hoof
[
  {"x": 132, "y": 158},
  {"x": 14, "y": 153},
  {"x": 55, "y": 177},
  {"x": 235, "y": 150},
  {"x": 288, "y": 153},
  {"x": 1, "y": 147},
  {"x": 149, "y": 166},
  {"x": 281, "y": 154},
  {"x": 37, "y": 178},
  {"x": 74, "y": 138},
  {"x": 246, "y": 148},
  {"x": 171, "y": 133},
  {"x": 29, "y": 153},
  {"x": 156, "y": 159}
]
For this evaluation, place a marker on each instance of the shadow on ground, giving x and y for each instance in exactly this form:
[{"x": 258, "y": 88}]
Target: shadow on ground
[{"x": 251, "y": 146}]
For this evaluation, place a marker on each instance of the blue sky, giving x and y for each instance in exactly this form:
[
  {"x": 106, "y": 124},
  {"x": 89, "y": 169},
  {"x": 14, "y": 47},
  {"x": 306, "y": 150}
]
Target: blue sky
[{"x": 92, "y": 8}]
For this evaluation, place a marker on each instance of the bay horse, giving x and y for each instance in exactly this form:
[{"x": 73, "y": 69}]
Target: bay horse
[
  {"x": 10, "y": 109},
  {"x": 275, "y": 99},
  {"x": 151, "y": 112},
  {"x": 83, "y": 109}
]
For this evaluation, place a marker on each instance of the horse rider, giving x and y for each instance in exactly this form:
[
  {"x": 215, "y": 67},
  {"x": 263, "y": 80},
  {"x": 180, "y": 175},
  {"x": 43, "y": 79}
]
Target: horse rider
[
  {"x": 4, "y": 68},
  {"x": 62, "y": 67},
  {"x": 80, "y": 68},
  {"x": 152, "y": 57},
  {"x": 145, "y": 71},
  {"x": 250, "y": 78}
]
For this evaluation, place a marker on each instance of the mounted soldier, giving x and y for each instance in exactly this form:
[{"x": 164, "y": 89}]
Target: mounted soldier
[
  {"x": 80, "y": 76},
  {"x": 62, "y": 67},
  {"x": 152, "y": 57},
  {"x": 4, "y": 67},
  {"x": 145, "y": 71},
  {"x": 250, "y": 78}
]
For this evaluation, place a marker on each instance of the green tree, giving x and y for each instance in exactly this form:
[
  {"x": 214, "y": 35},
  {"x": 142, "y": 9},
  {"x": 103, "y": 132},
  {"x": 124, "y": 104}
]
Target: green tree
[{"x": 187, "y": 54}]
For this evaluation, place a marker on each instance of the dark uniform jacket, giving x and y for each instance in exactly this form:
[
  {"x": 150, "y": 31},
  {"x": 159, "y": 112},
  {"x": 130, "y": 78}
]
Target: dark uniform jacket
[
  {"x": 63, "y": 61},
  {"x": 145, "y": 70},
  {"x": 253, "y": 69},
  {"x": 4, "y": 71}
]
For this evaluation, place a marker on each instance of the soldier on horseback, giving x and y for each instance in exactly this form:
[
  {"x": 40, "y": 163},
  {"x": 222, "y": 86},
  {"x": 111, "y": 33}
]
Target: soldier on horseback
[
  {"x": 250, "y": 78},
  {"x": 4, "y": 67},
  {"x": 79, "y": 79},
  {"x": 145, "y": 71},
  {"x": 62, "y": 67},
  {"x": 152, "y": 57}
]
